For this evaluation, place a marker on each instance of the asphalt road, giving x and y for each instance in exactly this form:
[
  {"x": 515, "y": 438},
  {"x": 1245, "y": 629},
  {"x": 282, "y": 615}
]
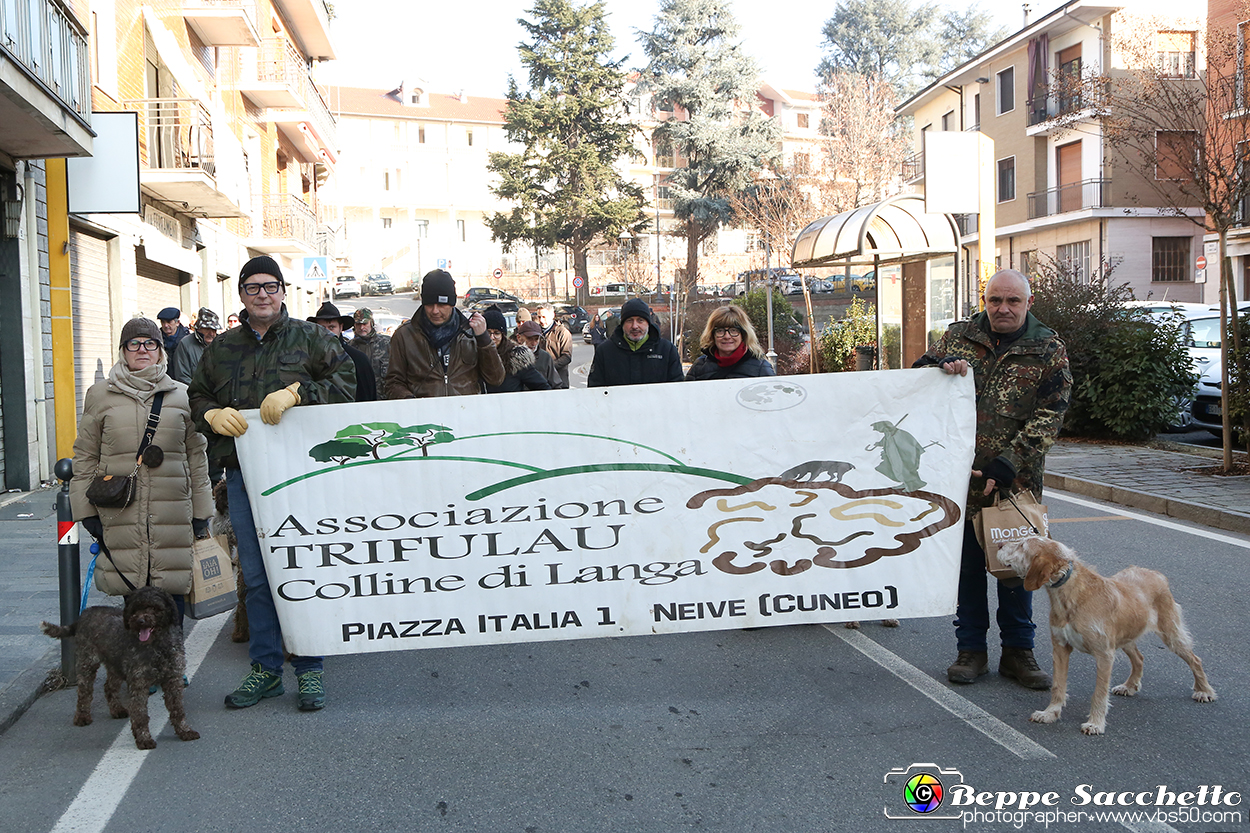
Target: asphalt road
[{"x": 780, "y": 729}]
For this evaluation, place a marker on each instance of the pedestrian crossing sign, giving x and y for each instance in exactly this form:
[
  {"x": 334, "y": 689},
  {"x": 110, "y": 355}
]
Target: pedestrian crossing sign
[{"x": 314, "y": 269}]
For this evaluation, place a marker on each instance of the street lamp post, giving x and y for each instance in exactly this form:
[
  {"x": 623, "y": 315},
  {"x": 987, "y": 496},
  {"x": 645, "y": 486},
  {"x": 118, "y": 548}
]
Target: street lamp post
[{"x": 768, "y": 176}]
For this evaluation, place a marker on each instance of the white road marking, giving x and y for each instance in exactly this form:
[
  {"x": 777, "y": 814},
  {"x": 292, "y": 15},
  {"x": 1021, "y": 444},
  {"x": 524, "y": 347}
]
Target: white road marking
[
  {"x": 93, "y": 807},
  {"x": 972, "y": 714},
  {"x": 1119, "y": 510}
]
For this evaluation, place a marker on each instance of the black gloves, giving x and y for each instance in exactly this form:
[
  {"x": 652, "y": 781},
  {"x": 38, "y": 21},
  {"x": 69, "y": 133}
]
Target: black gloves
[
  {"x": 93, "y": 526},
  {"x": 200, "y": 525},
  {"x": 1001, "y": 472}
]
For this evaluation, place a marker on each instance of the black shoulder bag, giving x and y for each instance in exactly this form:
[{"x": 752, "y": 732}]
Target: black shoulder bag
[{"x": 117, "y": 492}]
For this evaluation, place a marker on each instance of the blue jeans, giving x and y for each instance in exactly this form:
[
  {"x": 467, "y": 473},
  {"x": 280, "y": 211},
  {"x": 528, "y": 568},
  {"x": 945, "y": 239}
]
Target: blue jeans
[
  {"x": 265, "y": 645},
  {"x": 972, "y": 614}
]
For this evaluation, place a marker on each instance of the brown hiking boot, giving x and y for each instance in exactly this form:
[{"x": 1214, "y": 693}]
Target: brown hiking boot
[
  {"x": 968, "y": 666},
  {"x": 1018, "y": 664}
]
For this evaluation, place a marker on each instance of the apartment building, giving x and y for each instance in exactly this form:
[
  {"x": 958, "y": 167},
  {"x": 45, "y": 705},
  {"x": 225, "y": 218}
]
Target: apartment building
[
  {"x": 234, "y": 140},
  {"x": 1061, "y": 190},
  {"x": 45, "y": 117},
  {"x": 1229, "y": 25},
  {"x": 412, "y": 190}
]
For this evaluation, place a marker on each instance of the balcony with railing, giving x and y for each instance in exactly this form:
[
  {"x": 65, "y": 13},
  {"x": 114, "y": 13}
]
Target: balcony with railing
[
  {"x": 1077, "y": 196},
  {"x": 291, "y": 100},
  {"x": 968, "y": 224},
  {"x": 1062, "y": 106},
  {"x": 179, "y": 157},
  {"x": 310, "y": 23},
  {"x": 288, "y": 226},
  {"x": 912, "y": 168},
  {"x": 222, "y": 22},
  {"x": 45, "y": 81}
]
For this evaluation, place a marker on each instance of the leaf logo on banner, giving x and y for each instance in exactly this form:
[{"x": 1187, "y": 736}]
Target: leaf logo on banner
[
  {"x": 790, "y": 526},
  {"x": 365, "y": 439}
]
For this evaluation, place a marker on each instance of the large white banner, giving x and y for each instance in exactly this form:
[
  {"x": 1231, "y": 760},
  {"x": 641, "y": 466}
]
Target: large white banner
[{"x": 613, "y": 511}]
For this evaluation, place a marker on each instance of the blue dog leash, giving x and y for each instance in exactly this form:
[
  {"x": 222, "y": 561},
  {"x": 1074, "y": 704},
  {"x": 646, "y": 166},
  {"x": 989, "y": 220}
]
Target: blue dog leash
[{"x": 86, "y": 588}]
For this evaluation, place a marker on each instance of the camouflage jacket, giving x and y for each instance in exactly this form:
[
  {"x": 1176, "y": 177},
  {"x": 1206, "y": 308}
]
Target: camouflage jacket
[
  {"x": 378, "y": 348},
  {"x": 239, "y": 371},
  {"x": 1022, "y": 395}
]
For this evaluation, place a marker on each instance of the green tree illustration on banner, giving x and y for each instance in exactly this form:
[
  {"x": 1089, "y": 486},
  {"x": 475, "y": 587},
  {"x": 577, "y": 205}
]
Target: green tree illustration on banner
[{"x": 367, "y": 438}]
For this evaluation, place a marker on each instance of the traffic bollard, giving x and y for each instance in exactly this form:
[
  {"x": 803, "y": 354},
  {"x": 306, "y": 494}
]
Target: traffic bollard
[{"x": 67, "y": 564}]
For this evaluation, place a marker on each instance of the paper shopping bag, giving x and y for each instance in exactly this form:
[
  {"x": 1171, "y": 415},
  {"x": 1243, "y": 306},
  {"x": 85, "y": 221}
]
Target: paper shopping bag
[
  {"x": 1009, "y": 519},
  {"x": 212, "y": 580}
]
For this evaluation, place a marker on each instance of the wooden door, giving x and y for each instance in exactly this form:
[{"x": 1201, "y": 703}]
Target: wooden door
[{"x": 1068, "y": 158}]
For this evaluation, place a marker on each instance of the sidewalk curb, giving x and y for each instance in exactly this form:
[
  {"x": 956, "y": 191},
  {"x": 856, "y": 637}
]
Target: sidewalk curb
[
  {"x": 1180, "y": 509},
  {"x": 22, "y": 693}
]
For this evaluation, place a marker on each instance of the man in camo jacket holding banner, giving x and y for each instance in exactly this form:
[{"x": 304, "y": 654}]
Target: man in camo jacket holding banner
[{"x": 1023, "y": 385}]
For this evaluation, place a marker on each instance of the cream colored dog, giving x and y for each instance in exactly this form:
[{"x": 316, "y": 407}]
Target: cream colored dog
[{"x": 1099, "y": 615}]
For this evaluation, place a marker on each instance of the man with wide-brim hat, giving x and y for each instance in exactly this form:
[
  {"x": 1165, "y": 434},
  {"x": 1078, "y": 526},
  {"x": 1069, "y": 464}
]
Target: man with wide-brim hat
[{"x": 366, "y": 383}]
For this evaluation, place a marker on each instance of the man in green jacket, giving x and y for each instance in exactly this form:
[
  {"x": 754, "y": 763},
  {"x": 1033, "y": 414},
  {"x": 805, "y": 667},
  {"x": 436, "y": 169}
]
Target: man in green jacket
[
  {"x": 1022, "y": 389},
  {"x": 272, "y": 362}
]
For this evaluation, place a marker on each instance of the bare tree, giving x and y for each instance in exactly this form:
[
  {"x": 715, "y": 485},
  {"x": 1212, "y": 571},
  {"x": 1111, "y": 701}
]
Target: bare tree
[
  {"x": 1185, "y": 131},
  {"x": 778, "y": 206},
  {"x": 865, "y": 142}
]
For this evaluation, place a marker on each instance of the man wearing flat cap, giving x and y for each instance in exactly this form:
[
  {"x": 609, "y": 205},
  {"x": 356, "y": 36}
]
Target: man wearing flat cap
[
  {"x": 366, "y": 384},
  {"x": 440, "y": 352},
  {"x": 172, "y": 330},
  {"x": 375, "y": 345},
  {"x": 273, "y": 362},
  {"x": 183, "y": 363}
]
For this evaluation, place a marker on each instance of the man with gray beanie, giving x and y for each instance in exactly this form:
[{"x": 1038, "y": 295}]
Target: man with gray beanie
[
  {"x": 635, "y": 354},
  {"x": 440, "y": 352},
  {"x": 184, "y": 360},
  {"x": 252, "y": 366}
]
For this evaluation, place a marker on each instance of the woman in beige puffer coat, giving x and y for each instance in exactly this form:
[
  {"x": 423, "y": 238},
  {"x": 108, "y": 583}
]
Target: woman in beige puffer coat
[{"x": 150, "y": 540}]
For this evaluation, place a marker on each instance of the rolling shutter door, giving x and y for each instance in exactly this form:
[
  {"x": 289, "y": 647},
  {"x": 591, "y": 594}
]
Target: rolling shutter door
[
  {"x": 158, "y": 286},
  {"x": 94, "y": 351}
]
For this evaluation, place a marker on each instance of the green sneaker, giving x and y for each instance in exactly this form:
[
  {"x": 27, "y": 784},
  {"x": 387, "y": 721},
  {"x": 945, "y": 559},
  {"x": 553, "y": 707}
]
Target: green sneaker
[
  {"x": 312, "y": 691},
  {"x": 256, "y": 685}
]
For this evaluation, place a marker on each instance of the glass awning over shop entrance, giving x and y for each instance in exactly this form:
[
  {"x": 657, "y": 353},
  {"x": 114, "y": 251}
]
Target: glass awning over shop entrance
[{"x": 891, "y": 231}]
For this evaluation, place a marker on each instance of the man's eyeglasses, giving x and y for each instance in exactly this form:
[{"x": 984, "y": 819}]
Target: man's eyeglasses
[
  {"x": 270, "y": 287},
  {"x": 726, "y": 331},
  {"x": 147, "y": 345}
]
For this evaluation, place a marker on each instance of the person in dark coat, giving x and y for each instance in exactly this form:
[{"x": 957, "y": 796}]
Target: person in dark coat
[
  {"x": 557, "y": 341},
  {"x": 635, "y": 354},
  {"x": 730, "y": 348},
  {"x": 172, "y": 330},
  {"x": 598, "y": 334},
  {"x": 530, "y": 336},
  {"x": 366, "y": 382},
  {"x": 520, "y": 372}
]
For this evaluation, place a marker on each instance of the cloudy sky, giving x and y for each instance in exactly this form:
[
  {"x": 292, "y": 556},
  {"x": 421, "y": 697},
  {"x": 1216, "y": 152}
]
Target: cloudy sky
[{"x": 471, "y": 45}]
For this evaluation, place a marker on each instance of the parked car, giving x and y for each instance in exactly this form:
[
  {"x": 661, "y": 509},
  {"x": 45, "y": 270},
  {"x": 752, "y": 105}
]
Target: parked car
[
  {"x": 346, "y": 286},
  {"x": 377, "y": 284},
  {"x": 791, "y": 287},
  {"x": 487, "y": 295},
  {"x": 387, "y": 322},
  {"x": 1207, "y": 409},
  {"x": 1163, "y": 309},
  {"x": 864, "y": 283},
  {"x": 1202, "y": 335},
  {"x": 572, "y": 316}
]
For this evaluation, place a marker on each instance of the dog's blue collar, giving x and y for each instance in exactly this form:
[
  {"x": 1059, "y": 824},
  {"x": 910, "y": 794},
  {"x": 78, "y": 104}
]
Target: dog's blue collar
[{"x": 1063, "y": 579}]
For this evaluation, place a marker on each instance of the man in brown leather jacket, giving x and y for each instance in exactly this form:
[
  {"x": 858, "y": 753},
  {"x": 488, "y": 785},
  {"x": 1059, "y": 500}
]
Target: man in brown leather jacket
[{"x": 440, "y": 352}]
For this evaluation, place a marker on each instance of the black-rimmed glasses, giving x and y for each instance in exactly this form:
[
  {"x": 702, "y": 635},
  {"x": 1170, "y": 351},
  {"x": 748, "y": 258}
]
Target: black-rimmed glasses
[
  {"x": 726, "y": 331},
  {"x": 145, "y": 344},
  {"x": 270, "y": 287}
]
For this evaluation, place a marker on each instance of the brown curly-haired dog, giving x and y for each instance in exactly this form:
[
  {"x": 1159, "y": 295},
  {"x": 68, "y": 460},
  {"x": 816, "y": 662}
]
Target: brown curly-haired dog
[
  {"x": 222, "y": 526},
  {"x": 140, "y": 645}
]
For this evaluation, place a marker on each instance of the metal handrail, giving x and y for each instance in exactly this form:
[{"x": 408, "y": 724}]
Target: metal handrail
[
  {"x": 281, "y": 62},
  {"x": 1089, "y": 193},
  {"x": 912, "y": 168},
  {"x": 177, "y": 134},
  {"x": 51, "y": 45},
  {"x": 288, "y": 217}
]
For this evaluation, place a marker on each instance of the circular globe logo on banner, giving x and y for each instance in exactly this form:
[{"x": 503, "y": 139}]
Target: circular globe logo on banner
[
  {"x": 923, "y": 793},
  {"x": 771, "y": 396}
]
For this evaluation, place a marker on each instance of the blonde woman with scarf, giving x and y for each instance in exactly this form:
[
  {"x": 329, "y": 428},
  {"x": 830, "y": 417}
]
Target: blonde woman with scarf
[
  {"x": 150, "y": 540},
  {"x": 729, "y": 348}
]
